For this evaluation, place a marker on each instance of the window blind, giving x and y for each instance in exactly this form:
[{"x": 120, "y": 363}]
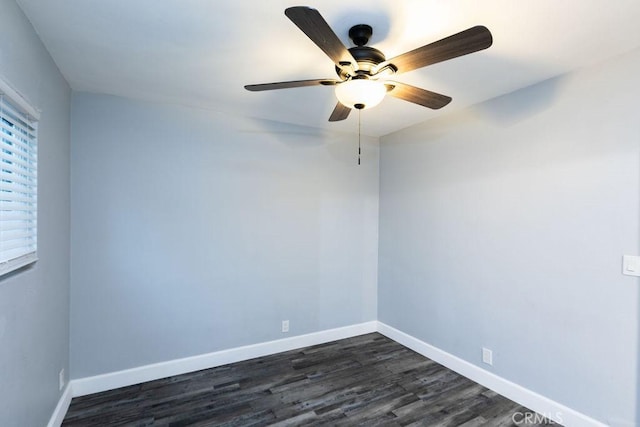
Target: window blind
[{"x": 18, "y": 184}]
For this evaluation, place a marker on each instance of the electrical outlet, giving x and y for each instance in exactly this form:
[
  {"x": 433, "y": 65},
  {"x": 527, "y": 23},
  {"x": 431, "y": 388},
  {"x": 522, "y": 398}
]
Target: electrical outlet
[
  {"x": 487, "y": 356},
  {"x": 285, "y": 326},
  {"x": 61, "y": 379}
]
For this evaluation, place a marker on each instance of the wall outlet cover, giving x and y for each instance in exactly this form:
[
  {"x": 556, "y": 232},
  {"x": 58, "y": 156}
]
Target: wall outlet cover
[{"x": 487, "y": 356}]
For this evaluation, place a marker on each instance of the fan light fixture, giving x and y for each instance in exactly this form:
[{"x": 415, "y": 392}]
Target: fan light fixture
[{"x": 360, "y": 93}]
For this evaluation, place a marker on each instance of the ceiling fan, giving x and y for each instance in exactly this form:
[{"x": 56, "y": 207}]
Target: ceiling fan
[{"x": 364, "y": 72}]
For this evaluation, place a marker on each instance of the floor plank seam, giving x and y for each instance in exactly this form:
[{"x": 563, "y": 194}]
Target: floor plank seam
[{"x": 364, "y": 380}]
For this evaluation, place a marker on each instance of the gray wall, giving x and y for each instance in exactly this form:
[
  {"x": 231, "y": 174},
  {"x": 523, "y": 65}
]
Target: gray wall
[
  {"x": 504, "y": 226},
  {"x": 34, "y": 303},
  {"x": 195, "y": 232}
]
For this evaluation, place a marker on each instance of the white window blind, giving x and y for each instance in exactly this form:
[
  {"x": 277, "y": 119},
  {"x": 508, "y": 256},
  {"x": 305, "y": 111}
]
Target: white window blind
[{"x": 18, "y": 181}]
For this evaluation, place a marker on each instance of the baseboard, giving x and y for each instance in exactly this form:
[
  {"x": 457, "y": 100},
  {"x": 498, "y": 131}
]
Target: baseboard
[
  {"x": 127, "y": 377},
  {"x": 532, "y": 400},
  {"x": 61, "y": 408},
  {"x": 536, "y": 402}
]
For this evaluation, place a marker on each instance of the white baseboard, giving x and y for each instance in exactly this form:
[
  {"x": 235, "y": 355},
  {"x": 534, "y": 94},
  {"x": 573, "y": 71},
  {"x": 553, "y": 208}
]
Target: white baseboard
[
  {"x": 127, "y": 377},
  {"x": 532, "y": 400},
  {"x": 61, "y": 407}
]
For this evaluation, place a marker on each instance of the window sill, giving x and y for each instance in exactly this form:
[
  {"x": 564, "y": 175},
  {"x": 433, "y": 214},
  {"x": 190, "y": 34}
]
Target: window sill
[{"x": 16, "y": 263}]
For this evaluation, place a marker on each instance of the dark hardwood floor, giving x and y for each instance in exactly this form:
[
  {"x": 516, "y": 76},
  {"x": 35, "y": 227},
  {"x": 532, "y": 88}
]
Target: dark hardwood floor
[{"x": 366, "y": 380}]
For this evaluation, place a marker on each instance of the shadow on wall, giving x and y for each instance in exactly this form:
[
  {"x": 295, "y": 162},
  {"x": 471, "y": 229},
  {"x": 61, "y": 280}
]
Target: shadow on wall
[
  {"x": 508, "y": 110},
  {"x": 341, "y": 146},
  {"x": 289, "y": 134}
]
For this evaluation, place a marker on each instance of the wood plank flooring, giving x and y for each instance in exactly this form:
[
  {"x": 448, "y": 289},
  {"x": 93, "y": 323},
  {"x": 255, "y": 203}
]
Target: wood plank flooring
[{"x": 367, "y": 380}]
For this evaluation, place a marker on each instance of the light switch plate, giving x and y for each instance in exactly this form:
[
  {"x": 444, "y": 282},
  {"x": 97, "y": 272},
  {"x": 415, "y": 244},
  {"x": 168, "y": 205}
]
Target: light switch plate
[{"x": 631, "y": 265}]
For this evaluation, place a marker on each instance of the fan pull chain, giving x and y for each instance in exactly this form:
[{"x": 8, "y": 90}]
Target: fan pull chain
[{"x": 359, "y": 131}]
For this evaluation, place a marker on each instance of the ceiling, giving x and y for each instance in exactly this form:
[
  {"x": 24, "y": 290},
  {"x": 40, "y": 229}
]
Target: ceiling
[{"x": 201, "y": 53}]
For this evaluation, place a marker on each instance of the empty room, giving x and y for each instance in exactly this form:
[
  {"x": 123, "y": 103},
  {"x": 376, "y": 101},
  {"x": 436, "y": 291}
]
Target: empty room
[{"x": 398, "y": 213}]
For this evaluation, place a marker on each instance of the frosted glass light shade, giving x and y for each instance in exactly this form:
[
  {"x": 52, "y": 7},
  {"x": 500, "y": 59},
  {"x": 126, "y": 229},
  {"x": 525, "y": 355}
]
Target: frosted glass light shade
[{"x": 360, "y": 91}]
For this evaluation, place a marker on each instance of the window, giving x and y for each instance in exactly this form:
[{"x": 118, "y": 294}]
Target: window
[{"x": 18, "y": 181}]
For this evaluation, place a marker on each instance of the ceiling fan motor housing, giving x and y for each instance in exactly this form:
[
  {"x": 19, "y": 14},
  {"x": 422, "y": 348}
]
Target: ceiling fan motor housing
[{"x": 367, "y": 57}]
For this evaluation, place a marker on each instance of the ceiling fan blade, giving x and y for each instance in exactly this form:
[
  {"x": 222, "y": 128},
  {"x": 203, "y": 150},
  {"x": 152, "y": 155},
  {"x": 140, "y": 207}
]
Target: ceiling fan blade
[
  {"x": 339, "y": 113},
  {"x": 316, "y": 28},
  {"x": 417, "y": 95},
  {"x": 290, "y": 84},
  {"x": 465, "y": 42}
]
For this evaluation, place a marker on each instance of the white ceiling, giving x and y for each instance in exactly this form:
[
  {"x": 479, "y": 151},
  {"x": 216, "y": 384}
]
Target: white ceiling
[{"x": 202, "y": 52}]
